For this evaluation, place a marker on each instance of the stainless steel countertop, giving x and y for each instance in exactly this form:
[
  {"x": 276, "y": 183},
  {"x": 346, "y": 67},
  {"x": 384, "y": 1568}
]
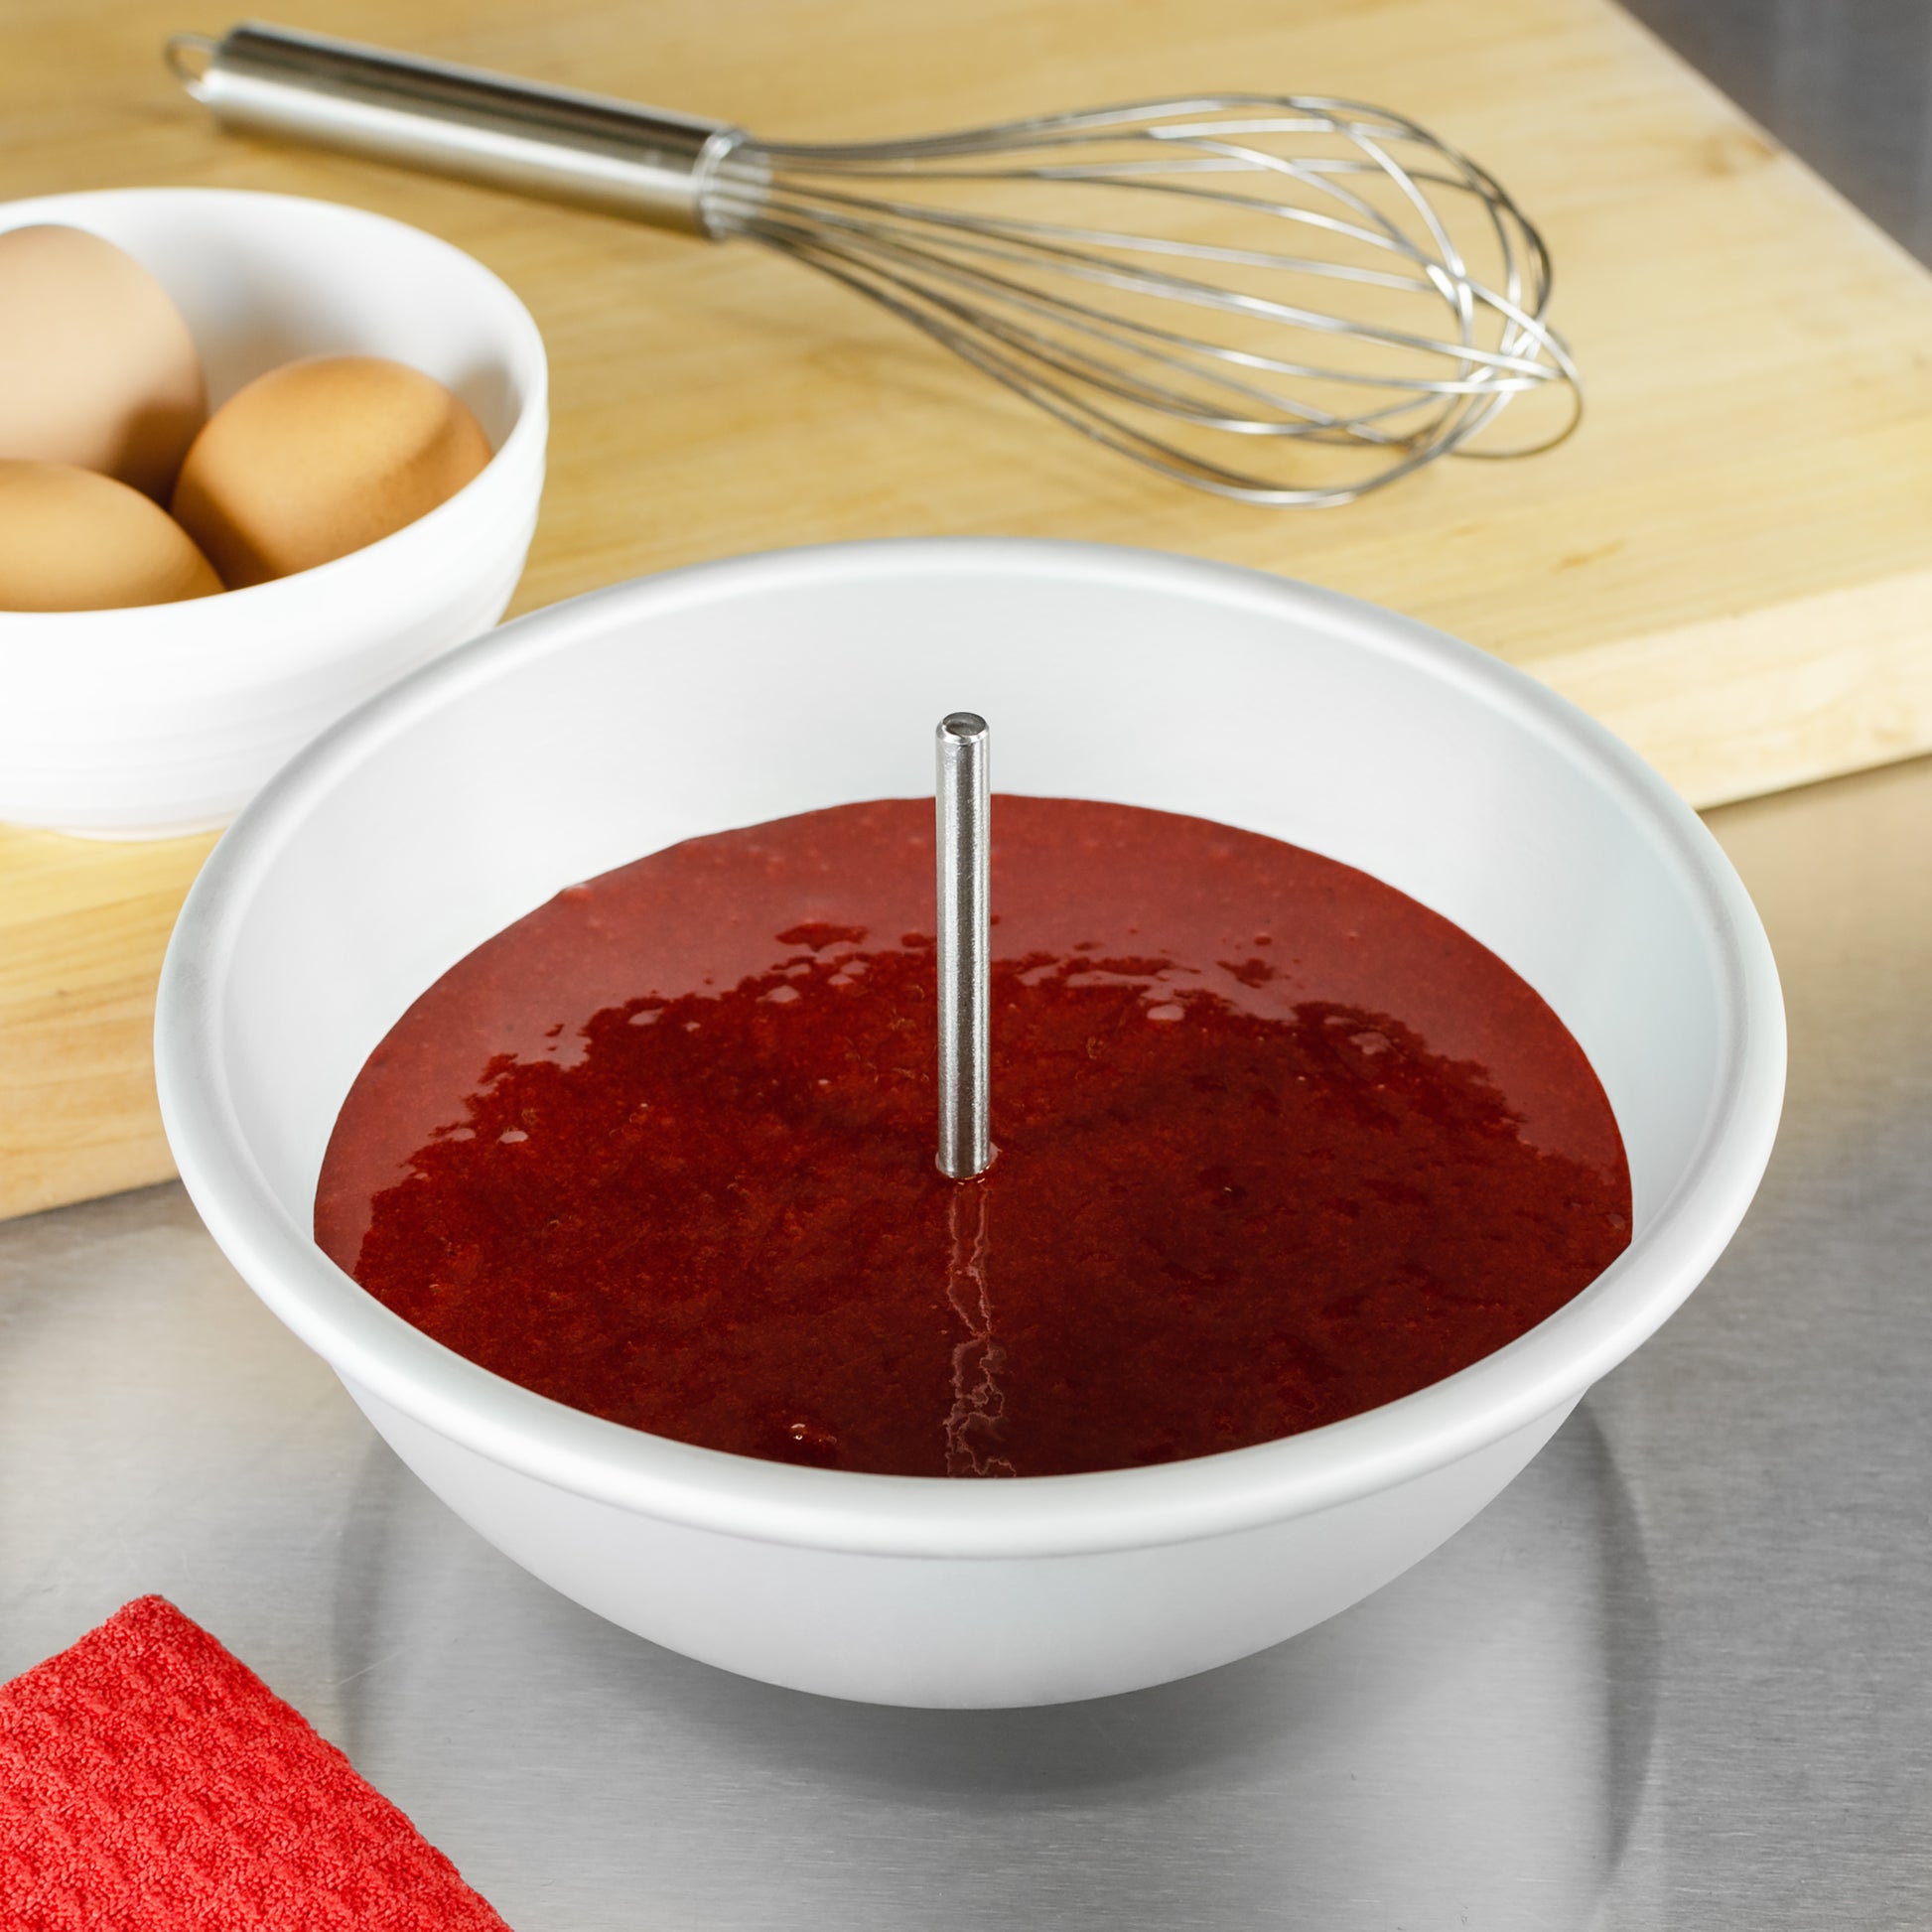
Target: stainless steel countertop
[{"x": 1676, "y": 1675}]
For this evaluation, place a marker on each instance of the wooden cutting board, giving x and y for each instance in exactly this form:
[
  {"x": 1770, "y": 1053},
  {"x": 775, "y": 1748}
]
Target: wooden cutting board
[{"x": 1730, "y": 564}]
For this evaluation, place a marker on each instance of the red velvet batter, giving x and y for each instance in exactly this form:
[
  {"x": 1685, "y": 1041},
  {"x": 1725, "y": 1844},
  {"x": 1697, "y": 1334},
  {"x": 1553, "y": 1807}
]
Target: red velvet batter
[{"x": 1277, "y": 1145}]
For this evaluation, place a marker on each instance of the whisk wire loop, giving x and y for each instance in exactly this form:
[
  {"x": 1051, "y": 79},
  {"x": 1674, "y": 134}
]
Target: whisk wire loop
[{"x": 1067, "y": 309}]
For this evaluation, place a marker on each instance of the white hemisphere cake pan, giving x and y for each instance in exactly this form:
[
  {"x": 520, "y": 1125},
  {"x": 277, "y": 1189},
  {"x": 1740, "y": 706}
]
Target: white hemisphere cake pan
[{"x": 587, "y": 734}]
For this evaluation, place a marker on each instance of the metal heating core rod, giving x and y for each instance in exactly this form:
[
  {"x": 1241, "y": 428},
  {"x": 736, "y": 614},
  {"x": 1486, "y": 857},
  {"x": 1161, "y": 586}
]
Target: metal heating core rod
[{"x": 964, "y": 827}]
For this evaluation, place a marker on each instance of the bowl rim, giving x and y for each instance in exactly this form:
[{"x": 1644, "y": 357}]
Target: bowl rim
[
  {"x": 380, "y": 1356},
  {"x": 133, "y": 626}
]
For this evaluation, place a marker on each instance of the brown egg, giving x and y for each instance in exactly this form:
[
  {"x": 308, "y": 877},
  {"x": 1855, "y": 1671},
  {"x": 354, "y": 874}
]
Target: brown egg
[
  {"x": 316, "y": 459},
  {"x": 96, "y": 365},
  {"x": 73, "y": 540}
]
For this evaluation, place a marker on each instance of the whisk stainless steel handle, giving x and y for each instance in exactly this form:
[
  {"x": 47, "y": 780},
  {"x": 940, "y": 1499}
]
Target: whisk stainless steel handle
[
  {"x": 550, "y": 142},
  {"x": 1281, "y": 298}
]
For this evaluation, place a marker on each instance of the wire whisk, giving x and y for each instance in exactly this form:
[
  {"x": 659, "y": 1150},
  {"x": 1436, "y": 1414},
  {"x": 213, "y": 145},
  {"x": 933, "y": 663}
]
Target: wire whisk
[{"x": 1286, "y": 300}]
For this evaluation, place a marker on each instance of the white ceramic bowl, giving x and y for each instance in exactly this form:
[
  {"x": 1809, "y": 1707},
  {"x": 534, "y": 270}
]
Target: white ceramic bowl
[
  {"x": 151, "y": 722},
  {"x": 608, "y": 727}
]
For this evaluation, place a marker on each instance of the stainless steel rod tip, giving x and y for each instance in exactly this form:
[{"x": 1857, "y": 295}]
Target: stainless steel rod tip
[{"x": 963, "y": 824}]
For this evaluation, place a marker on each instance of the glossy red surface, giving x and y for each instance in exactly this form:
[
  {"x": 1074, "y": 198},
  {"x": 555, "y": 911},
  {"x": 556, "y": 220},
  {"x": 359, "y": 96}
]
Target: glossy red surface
[{"x": 1277, "y": 1145}]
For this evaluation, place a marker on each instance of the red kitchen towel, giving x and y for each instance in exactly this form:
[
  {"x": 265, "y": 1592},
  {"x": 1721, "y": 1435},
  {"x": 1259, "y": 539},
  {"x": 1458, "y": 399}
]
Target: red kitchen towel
[{"x": 148, "y": 1780}]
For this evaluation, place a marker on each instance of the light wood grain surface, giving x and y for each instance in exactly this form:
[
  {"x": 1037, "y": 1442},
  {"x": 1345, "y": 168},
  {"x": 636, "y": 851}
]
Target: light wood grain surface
[{"x": 1730, "y": 564}]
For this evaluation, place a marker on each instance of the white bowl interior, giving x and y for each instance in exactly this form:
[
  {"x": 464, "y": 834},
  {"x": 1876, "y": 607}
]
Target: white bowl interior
[{"x": 737, "y": 693}]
